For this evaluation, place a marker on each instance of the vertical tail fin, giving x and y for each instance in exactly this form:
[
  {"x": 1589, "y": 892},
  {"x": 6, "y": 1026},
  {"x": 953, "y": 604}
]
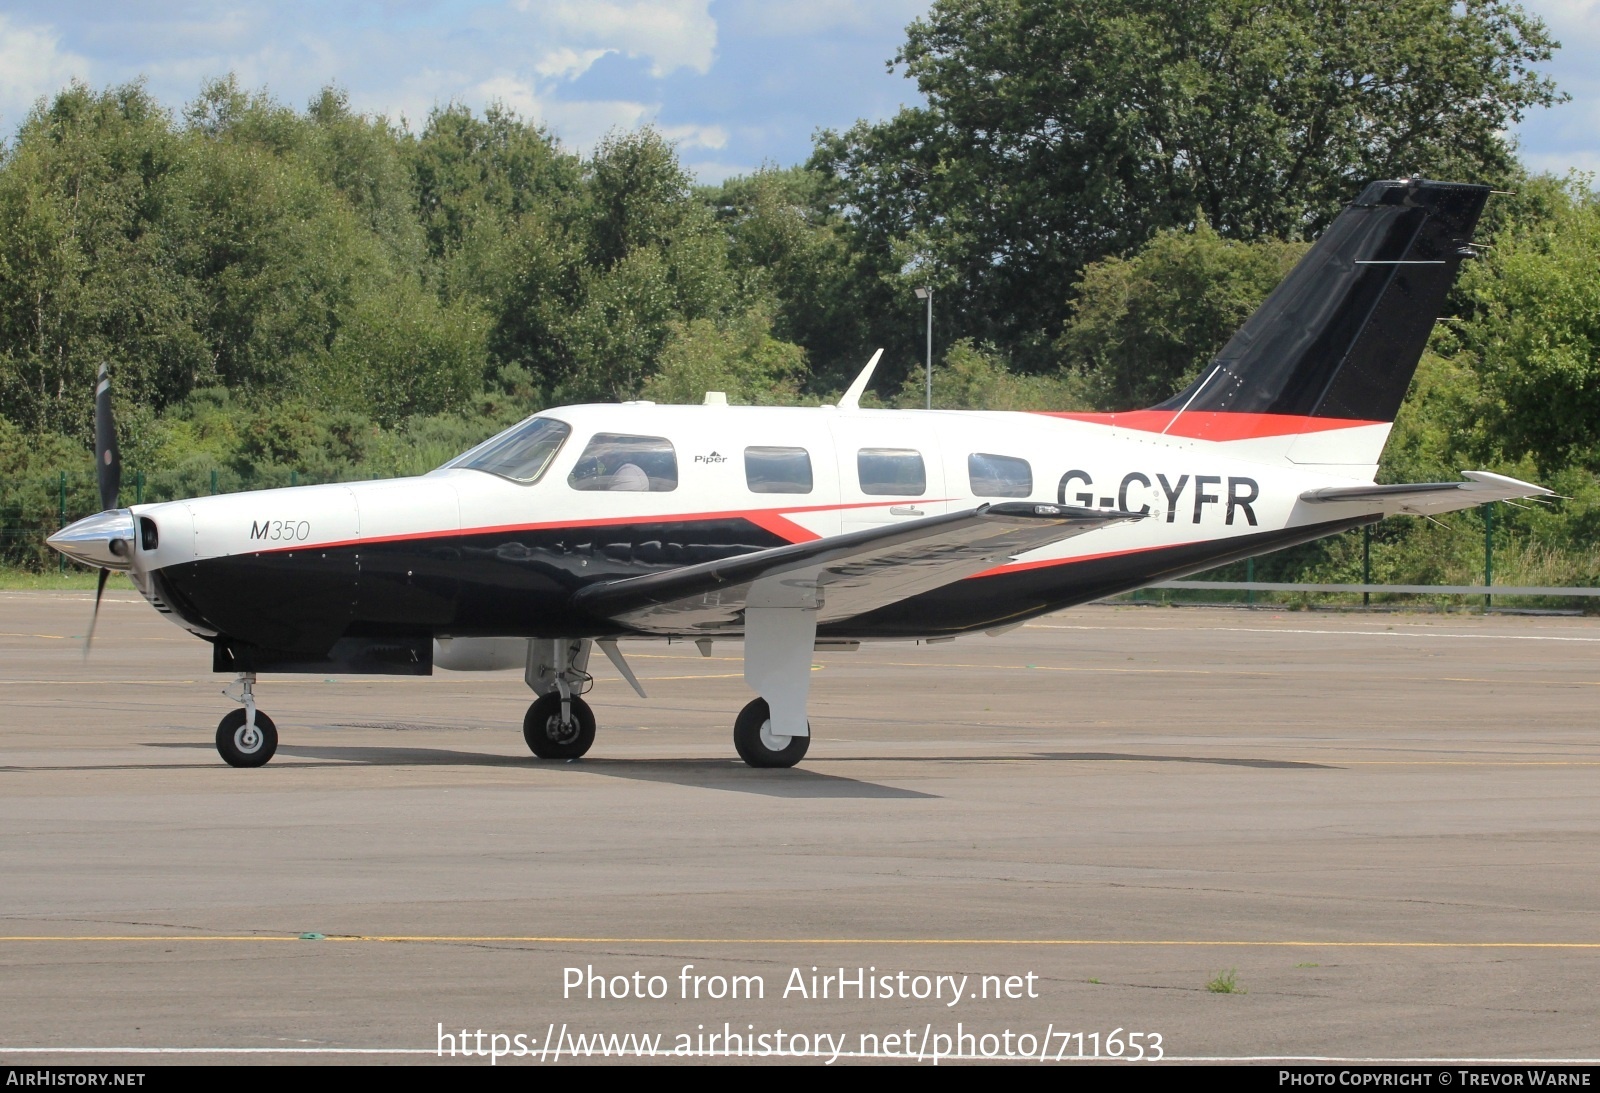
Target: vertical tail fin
[{"x": 1327, "y": 358}]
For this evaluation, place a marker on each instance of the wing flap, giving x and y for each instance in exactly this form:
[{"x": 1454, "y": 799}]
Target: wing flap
[
  {"x": 1428, "y": 498},
  {"x": 841, "y": 576}
]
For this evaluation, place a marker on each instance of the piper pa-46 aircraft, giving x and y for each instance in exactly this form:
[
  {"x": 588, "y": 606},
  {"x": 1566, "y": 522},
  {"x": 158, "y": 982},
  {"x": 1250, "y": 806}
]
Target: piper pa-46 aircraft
[{"x": 795, "y": 529}]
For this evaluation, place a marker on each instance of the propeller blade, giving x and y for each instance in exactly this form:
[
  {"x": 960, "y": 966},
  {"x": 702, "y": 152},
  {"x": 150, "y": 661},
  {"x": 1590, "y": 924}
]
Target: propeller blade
[
  {"x": 107, "y": 457},
  {"x": 100, "y": 590}
]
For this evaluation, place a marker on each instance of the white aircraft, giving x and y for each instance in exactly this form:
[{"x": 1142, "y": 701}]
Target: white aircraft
[{"x": 796, "y": 529}]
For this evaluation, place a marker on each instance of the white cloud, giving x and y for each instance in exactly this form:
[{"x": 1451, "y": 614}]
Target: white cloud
[
  {"x": 519, "y": 95},
  {"x": 567, "y": 63},
  {"x": 1574, "y": 22},
  {"x": 696, "y": 136},
  {"x": 673, "y": 34},
  {"x": 32, "y": 65},
  {"x": 580, "y": 125}
]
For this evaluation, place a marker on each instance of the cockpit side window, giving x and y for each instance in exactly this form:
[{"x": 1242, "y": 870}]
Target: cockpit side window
[
  {"x": 522, "y": 453},
  {"x": 616, "y": 461},
  {"x": 999, "y": 475}
]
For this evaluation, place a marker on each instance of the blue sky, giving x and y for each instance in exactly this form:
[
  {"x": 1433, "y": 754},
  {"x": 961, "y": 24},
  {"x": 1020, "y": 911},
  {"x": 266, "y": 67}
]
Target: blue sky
[{"x": 736, "y": 83}]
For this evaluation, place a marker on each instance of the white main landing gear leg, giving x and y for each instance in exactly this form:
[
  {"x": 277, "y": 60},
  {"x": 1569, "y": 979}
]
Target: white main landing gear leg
[
  {"x": 559, "y": 724},
  {"x": 246, "y": 737},
  {"x": 773, "y": 731}
]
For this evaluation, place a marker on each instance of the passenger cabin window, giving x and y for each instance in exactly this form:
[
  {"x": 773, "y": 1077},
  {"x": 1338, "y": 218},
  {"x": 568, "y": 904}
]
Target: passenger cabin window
[
  {"x": 891, "y": 472},
  {"x": 999, "y": 475},
  {"x": 522, "y": 453},
  {"x": 777, "y": 470},
  {"x": 632, "y": 464}
]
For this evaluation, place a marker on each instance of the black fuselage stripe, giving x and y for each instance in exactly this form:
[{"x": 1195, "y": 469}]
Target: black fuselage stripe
[{"x": 521, "y": 583}]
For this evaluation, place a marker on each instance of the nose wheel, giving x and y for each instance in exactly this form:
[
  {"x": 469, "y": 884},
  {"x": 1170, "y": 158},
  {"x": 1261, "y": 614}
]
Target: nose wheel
[
  {"x": 759, "y": 746},
  {"x": 242, "y": 744},
  {"x": 552, "y": 736}
]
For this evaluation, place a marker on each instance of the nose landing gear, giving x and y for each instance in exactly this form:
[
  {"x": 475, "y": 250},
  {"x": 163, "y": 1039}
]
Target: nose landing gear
[
  {"x": 553, "y": 735},
  {"x": 246, "y": 737},
  {"x": 559, "y": 724}
]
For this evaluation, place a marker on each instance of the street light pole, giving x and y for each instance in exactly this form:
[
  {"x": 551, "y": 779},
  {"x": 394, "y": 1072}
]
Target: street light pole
[{"x": 926, "y": 293}]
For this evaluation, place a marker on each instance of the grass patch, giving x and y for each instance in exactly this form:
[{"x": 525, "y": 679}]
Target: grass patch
[
  {"x": 1308, "y": 964},
  {"x": 1096, "y": 982},
  {"x": 73, "y": 580},
  {"x": 1225, "y": 983}
]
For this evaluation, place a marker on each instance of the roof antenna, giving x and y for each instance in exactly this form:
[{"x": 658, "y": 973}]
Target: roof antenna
[{"x": 852, "y": 397}]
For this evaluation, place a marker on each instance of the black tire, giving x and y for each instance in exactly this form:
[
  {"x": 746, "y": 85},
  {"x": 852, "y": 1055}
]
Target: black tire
[
  {"x": 237, "y": 748},
  {"x": 758, "y": 752},
  {"x": 548, "y": 738}
]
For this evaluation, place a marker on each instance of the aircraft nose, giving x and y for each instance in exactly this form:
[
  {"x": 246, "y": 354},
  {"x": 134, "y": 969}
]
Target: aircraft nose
[{"x": 104, "y": 540}]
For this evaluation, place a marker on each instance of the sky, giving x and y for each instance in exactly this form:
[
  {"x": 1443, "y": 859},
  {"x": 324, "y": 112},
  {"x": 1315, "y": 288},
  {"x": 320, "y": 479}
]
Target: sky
[{"x": 736, "y": 83}]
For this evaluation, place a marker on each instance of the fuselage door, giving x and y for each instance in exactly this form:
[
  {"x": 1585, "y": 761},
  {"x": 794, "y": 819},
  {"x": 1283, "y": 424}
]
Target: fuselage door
[{"x": 890, "y": 471}]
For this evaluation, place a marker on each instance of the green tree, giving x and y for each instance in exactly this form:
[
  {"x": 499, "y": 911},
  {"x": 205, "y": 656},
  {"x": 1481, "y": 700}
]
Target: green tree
[
  {"x": 742, "y": 359},
  {"x": 1055, "y": 134},
  {"x": 1142, "y": 327},
  {"x": 1533, "y": 331},
  {"x": 973, "y": 377},
  {"x": 88, "y": 267},
  {"x": 787, "y": 245},
  {"x": 466, "y": 169}
]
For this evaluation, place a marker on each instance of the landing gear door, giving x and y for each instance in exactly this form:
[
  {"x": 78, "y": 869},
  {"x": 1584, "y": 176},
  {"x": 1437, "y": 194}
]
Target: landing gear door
[{"x": 890, "y": 471}]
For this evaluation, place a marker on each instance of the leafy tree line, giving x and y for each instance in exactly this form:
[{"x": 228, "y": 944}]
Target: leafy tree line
[{"x": 1099, "y": 191}]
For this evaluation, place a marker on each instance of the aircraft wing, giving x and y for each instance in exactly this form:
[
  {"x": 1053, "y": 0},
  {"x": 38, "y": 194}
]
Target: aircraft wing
[
  {"x": 1427, "y": 498},
  {"x": 843, "y": 575}
]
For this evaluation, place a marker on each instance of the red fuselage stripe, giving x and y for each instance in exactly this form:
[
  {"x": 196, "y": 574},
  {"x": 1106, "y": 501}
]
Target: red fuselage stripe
[{"x": 1220, "y": 425}]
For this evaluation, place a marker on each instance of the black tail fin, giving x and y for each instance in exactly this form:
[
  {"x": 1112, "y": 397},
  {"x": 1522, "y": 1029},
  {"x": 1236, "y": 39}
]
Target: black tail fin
[{"x": 1341, "y": 336}]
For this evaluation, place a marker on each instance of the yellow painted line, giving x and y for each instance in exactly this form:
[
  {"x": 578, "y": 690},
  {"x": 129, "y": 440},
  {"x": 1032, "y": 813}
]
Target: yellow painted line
[
  {"x": 1288, "y": 673},
  {"x": 675, "y": 656},
  {"x": 1460, "y": 762},
  {"x": 449, "y": 939},
  {"x": 80, "y": 682},
  {"x": 941, "y": 665}
]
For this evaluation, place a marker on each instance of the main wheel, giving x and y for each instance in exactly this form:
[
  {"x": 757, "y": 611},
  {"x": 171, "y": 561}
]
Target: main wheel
[
  {"x": 241, "y": 746},
  {"x": 758, "y": 746},
  {"x": 548, "y": 737}
]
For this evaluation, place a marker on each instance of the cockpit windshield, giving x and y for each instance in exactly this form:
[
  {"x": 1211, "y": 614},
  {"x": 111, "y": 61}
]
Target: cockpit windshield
[{"x": 522, "y": 453}]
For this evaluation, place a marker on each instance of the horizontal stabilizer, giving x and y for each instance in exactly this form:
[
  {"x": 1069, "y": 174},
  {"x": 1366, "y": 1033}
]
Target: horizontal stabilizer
[
  {"x": 1427, "y": 498},
  {"x": 841, "y": 576}
]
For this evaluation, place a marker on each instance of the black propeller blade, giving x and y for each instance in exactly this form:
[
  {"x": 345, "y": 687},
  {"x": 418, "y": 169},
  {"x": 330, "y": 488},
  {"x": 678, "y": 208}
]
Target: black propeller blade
[
  {"x": 108, "y": 470},
  {"x": 100, "y": 590},
  {"x": 107, "y": 457}
]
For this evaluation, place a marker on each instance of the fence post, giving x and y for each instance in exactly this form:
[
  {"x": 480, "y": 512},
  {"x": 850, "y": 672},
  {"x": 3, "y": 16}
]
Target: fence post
[
  {"x": 1488, "y": 552},
  {"x": 294, "y": 478},
  {"x": 1250, "y": 577},
  {"x": 63, "y": 512},
  {"x": 213, "y": 481},
  {"x": 138, "y": 488},
  {"x": 1366, "y": 562}
]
